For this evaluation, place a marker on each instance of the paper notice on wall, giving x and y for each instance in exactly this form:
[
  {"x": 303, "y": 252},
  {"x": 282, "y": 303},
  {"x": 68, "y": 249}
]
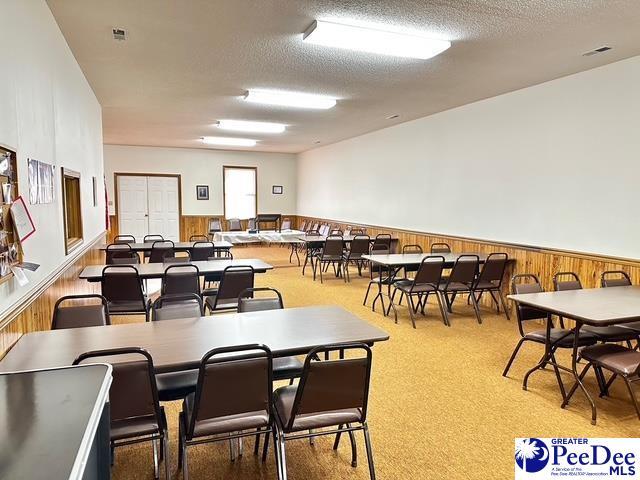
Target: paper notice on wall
[{"x": 21, "y": 278}]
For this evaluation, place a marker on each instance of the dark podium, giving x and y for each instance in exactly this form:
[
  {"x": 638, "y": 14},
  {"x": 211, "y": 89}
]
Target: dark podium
[
  {"x": 55, "y": 423},
  {"x": 273, "y": 218}
]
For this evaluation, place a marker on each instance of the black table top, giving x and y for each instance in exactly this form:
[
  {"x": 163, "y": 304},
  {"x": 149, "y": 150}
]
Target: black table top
[{"x": 48, "y": 419}]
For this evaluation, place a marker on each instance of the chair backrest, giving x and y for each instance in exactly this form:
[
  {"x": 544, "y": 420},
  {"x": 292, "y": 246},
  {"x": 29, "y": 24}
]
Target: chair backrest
[
  {"x": 333, "y": 246},
  {"x": 312, "y": 233},
  {"x": 493, "y": 269},
  {"x": 615, "y": 278},
  {"x": 316, "y": 227},
  {"x": 221, "y": 254},
  {"x": 527, "y": 283},
  {"x": 124, "y": 239},
  {"x": 171, "y": 257},
  {"x": 302, "y": 227},
  {"x": 133, "y": 393},
  {"x": 121, "y": 251},
  {"x": 358, "y": 231},
  {"x": 234, "y": 280},
  {"x": 121, "y": 283},
  {"x": 234, "y": 225},
  {"x": 332, "y": 385},
  {"x": 215, "y": 225},
  {"x": 336, "y": 231},
  {"x": 183, "y": 278},
  {"x": 566, "y": 281},
  {"x": 81, "y": 314},
  {"x": 429, "y": 271},
  {"x": 198, "y": 238},
  {"x": 412, "y": 249},
  {"x": 286, "y": 224},
  {"x": 252, "y": 224},
  {"x": 160, "y": 250},
  {"x": 248, "y": 302},
  {"x": 184, "y": 305},
  {"x": 440, "y": 248},
  {"x": 464, "y": 270},
  {"x": 245, "y": 378},
  {"x": 202, "y": 251},
  {"x": 152, "y": 238},
  {"x": 383, "y": 239},
  {"x": 360, "y": 245}
]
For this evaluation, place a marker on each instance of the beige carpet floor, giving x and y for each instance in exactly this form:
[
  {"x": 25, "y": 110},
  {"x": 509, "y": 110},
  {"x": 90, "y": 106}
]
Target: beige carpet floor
[{"x": 439, "y": 406}]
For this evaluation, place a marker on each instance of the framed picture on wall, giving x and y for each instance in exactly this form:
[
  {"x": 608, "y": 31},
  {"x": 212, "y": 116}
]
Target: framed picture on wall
[
  {"x": 202, "y": 192},
  {"x": 276, "y": 189}
]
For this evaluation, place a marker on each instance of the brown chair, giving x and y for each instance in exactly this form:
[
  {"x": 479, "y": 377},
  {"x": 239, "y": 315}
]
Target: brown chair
[
  {"x": 82, "y": 315},
  {"x": 303, "y": 226},
  {"x": 284, "y": 368},
  {"x": 359, "y": 247},
  {"x": 176, "y": 385},
  {"x": 252, "y": 224},
  {"x": 179, "y": 279},
  {"x": 564, "y": 281},
  {"x": 440, "y": 248},
  {"x": 136, "y": 414},
  {"x": 336, "y": 231},
  {"x": 358, "y": 231},
  {"x": 122, "y": 288},
  {"x": 161, "y": 250},
  {"x": 461, "y": 280},
  {"x": 620, "y": 361},
  {"x": 234, "y": 280},
  {"x": 490, "y": 280},
  {"x": 120, "y": 253},
  {"x": 215, "y": 225},
  {"x": 559, "y": 337},
  {"x": 215, "y": 277},
  {"x": 316, "y": 227},
  {"x": 286, "y": 224},
  {"x": 198, "y": 238},
  {"x": 201, "y": 251},
  {"x": 411, "y": 250},
  {"x": 615, "y": 278},
  {"x": 383, "y": 240},
  {"x": 124, "y": 239},
  {"x": 332, "y": 254},
  {"x": 151, "y": 239},
  {"x": 380, "y": 276},
  {"x": 426, "y": 281},
  {"x": 312, "y": 250},
  {"x": 331, "y": 393},
  {"x": 232, "y": 400},
  {"x": 234, "y": 225}
]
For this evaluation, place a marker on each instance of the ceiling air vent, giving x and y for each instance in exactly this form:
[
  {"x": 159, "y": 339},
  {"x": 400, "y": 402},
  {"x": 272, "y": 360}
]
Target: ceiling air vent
[
  {"x": 119, "y": 34},
  {"x": 596, "y": 51}
]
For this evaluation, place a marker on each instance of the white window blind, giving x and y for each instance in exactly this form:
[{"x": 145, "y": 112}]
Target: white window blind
[{"x": 239, "y": 193}]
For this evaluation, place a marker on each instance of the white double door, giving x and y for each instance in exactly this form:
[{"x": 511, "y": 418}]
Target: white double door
[{"x": 148, "y": 206}]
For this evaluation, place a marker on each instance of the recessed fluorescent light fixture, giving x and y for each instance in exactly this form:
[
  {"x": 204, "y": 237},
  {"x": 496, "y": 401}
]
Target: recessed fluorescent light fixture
[
  {"x": 229, "y": 141},
  {"x": 373, "y": 40},
  {"x": 289, "y": 99},
  {"x": 244, "y": 126}
]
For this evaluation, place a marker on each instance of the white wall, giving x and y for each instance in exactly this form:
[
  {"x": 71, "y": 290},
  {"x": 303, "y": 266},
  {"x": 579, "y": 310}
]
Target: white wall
[
  {"x": 554, "y": 165},
  {"x": 204, "y": 167},
  {"x": 47, "y": 112}
]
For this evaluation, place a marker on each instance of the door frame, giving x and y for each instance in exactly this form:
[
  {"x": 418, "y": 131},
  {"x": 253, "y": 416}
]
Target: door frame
[{"x": 142, "y": 174}]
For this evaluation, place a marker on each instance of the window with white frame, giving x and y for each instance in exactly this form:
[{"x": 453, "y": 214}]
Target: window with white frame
[{"x": 239, "y": 186}]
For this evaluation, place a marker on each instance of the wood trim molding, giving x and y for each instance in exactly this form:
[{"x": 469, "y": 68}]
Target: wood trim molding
[{"x": 26, "y": 301}]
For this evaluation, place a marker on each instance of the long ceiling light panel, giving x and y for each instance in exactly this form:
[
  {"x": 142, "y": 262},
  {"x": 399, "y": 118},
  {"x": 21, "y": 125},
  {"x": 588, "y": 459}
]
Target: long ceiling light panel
[
  {"x": 245, "y": 126},
  {"x": 229, "y": 141},
  {"x": 289, "y": 99},
  {"x": 373, "y": 40}
]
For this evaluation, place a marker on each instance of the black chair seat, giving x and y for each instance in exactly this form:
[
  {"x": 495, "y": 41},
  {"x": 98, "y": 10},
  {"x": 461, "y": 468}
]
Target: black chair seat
[
  {"x": 286, "y": 367},
  {"x": 487, "y": 285},
  {"x": 613, "y": 333},
  {"x": 616, "y": 358},
  {"x": 207, "y": 292},
  {"x": 125, "y": 306},
  {"x": 454, "y": 287},
  {"x": 176, "y": 385},
  {"x": 226, "y": 304},
  {"x": 635, "y": 326},
  {"x": 331, "y": 258},
  {"x": 407, "y": 286},
  {"x": 560, "y": 337}
]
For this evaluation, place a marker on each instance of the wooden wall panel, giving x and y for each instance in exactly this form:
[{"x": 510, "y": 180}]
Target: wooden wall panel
[
  {"x": 37, "y": 316},
  {"x": 543, "y": 262}
]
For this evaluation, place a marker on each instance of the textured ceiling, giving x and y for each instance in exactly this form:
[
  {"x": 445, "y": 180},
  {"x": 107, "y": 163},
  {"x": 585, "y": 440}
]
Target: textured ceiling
[{"x": 186, "y": 63}]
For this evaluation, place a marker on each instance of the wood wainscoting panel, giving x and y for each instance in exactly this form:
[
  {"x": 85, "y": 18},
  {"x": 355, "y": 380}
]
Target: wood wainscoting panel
[
  {"x": 37, "y": 315},
  {"x": 540, "y": 261}
]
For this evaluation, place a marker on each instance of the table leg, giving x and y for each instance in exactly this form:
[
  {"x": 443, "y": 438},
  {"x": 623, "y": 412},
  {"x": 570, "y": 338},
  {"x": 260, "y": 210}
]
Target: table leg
[
  {"x": 578, "y": 378},
  {"x": 545, "y": 358}
]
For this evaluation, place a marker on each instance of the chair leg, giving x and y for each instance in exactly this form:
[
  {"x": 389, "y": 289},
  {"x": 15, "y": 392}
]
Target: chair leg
[
  {"x": 321, "y": 271},
  {"x": 443, "y": 311},
  {"x": 180, "y": 440},
  {"x": 256, "y": 446},
  {"x": 283, "y": 455},
  {"x": 475, "y": 307},
  {"x": 633, "y": 397},
  {"x": 367, "y": 442},
  {"x": 156, "y": 460},
  {"x": 411, "y": 310},
  {"x": 367, "y": 294},
  {"x": 504, "y": 304},
  {"x": 513, "y": 356},
  {"x": 265, "y": 448},
  {"x": 165, "y": 448},
  {"x": 336, "y": 442},
  {"x": 354, "y": 447}
]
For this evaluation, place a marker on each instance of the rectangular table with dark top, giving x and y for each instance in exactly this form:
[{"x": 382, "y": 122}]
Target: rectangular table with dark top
[
  {"x": 399, "y": 260},
  {"x": 93, "y": 273},
  {"x": 180, "y": 344},
  {"x": 597, "y": 307},
  {"x": 178, "y": 246},
  {"x": 54, "y": 424}
]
